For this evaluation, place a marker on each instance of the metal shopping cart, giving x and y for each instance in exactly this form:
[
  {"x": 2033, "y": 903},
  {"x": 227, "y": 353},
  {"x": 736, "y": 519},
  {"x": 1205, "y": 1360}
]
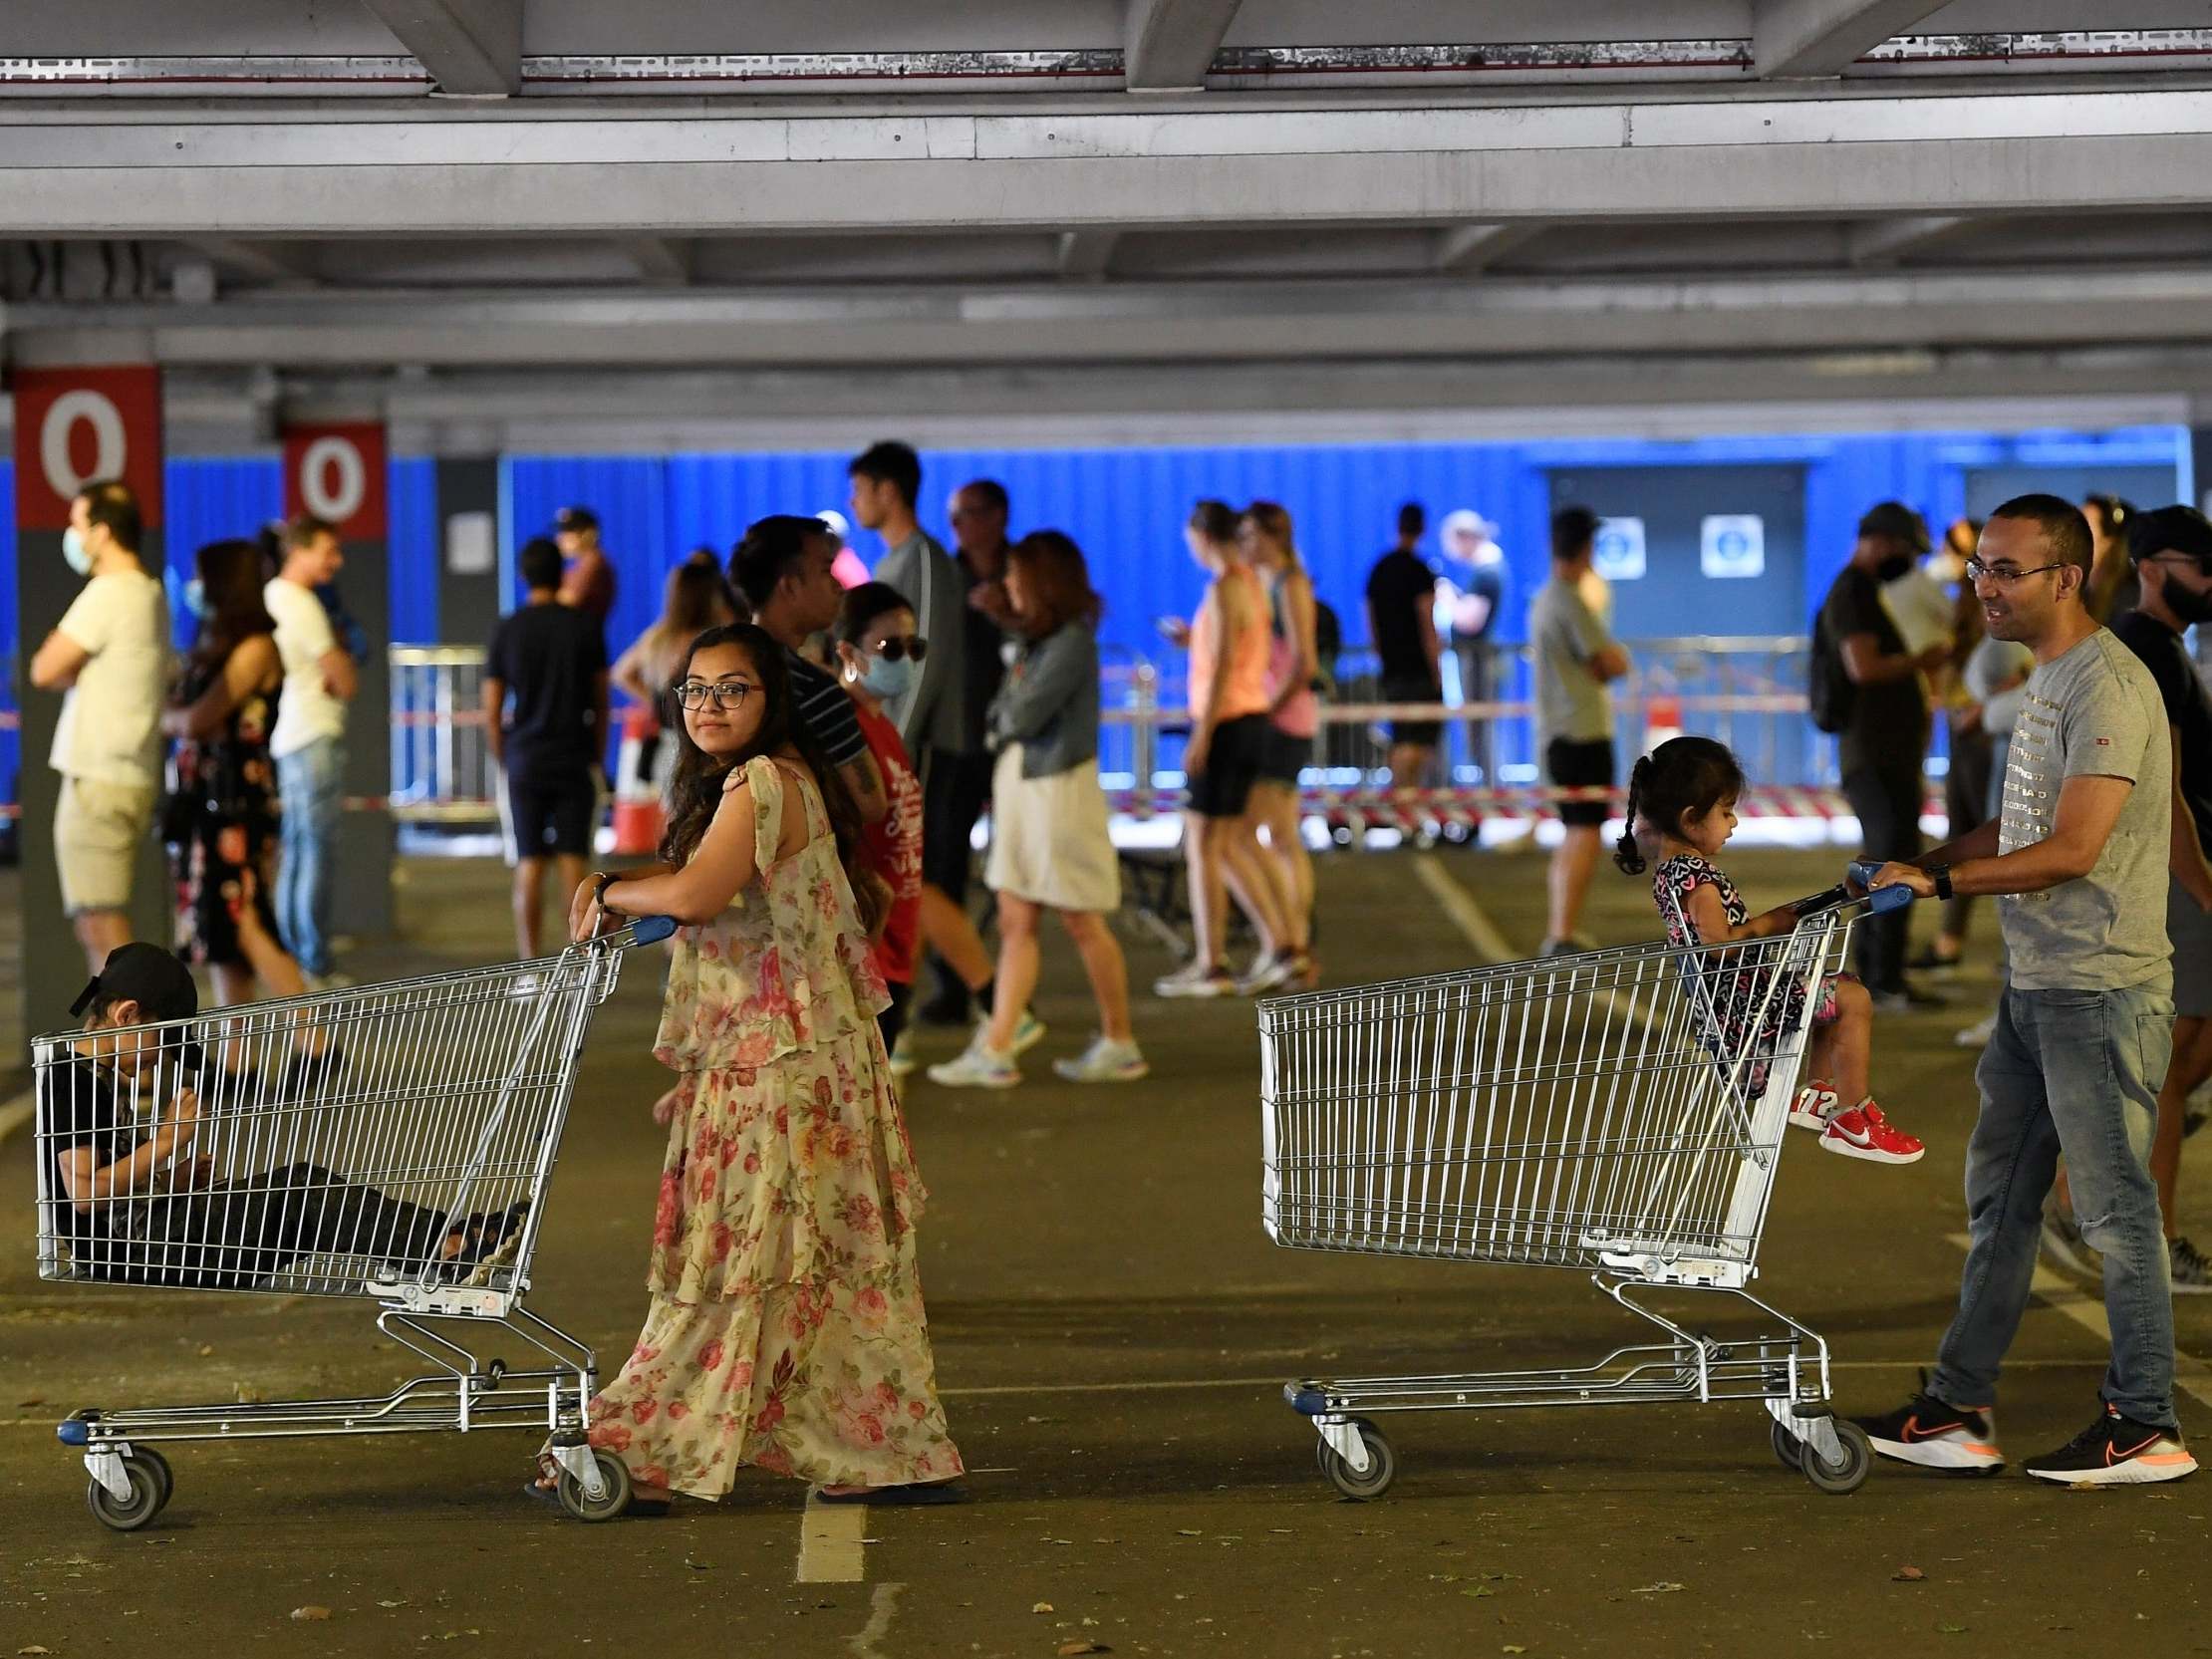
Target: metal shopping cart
[
  {"x": 1621, "y": 1112},
  {"x": 389, "y": 1143}
]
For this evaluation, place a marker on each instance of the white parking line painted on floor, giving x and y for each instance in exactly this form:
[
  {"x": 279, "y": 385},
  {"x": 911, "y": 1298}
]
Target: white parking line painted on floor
[
  {"x": 881, "y": 1608},
  {"x": 2088, "y": 1311},
  {"x": 1467, "y": 916},
  {"x": 830, "y": 1547}
]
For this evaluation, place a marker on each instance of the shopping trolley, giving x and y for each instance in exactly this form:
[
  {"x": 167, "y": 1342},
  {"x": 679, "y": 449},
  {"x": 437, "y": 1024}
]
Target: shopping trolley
[
  {"x": 1621, "y": 1112},
  {"x": 388, "y": 1142}
]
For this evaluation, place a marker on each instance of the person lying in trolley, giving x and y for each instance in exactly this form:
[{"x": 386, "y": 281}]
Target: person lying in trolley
[{"x": 119, "y": 1117}]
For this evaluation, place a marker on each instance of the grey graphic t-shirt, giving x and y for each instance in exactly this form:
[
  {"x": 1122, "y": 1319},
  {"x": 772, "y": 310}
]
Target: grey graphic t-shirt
[{"x": 2094, "y": 712}]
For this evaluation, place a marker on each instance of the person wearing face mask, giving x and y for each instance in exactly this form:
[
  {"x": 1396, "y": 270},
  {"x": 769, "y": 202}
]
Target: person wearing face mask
[
  {"x": 1971, "y": 744},
  {"x": 1885, "y": 732},
  {"x": 878, "y": 652},
  {"x": 2171, "y": 550},
  {"x": 108, "y": 657}
]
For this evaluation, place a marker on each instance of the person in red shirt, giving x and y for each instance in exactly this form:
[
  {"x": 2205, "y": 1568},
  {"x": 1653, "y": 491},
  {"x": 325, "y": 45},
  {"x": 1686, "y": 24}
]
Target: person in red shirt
[{"x": 879, "y": 649}]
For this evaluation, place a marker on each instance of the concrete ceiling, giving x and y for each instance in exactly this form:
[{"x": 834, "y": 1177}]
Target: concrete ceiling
[{"x": 1882, "y": 198}]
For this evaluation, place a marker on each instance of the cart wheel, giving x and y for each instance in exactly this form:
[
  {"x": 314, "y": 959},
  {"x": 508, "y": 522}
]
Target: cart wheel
[
  {"x": 617, "y": 1499},
  {"x": 1849, "y": 1472},
  {"x": 144, "y": 1502},
  {"x": 159, "y": 1467},
  {"x": 1787, "y": 1447},
  {"x": 1382, "y": 1466}
]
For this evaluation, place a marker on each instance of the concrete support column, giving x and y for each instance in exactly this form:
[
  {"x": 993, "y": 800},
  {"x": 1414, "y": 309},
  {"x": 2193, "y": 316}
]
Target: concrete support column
[
  {"x": 470, "y": 543},
  {"x": 335, "y": 468},
  {"x": 85, "y": 408}
]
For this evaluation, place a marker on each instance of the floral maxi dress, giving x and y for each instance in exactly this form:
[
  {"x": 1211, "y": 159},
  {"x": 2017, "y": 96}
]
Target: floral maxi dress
[{"x": 786, "y": 1327}]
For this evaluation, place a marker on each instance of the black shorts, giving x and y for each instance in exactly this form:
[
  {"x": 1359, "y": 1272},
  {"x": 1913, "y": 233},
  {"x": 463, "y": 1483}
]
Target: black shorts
[
  {"x": 1421, "y": 734},
  {"x": 954, "y": 790},
  {"x": 1576, "y": 765},
  {"x": 1282, "y": 756},
  {"x": 551, "y": 815},
  {"x": 1233, "y": 759}
]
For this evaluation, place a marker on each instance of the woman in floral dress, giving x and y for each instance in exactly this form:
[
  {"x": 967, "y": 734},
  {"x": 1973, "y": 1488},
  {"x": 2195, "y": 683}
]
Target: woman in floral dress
[{"x": 786, "y": 1329}]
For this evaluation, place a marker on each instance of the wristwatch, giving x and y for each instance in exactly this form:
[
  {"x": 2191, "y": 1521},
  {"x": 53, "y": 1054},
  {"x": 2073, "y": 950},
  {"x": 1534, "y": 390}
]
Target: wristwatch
[
  {"x": 600, "y": 883},
  {"x": 1940, "y": 874}
]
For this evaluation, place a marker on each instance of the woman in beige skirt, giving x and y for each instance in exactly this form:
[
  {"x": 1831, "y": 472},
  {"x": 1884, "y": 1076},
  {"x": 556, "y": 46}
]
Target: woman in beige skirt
[{"x": 1049, "y": 847}]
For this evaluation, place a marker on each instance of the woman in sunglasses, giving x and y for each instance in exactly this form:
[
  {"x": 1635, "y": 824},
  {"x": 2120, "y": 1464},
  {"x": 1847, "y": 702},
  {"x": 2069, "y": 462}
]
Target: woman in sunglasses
[{"x": 878, "y": 658}]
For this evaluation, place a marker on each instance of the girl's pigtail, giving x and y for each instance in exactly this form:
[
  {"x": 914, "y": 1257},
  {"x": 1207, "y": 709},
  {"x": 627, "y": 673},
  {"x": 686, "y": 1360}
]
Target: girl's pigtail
[{"x": 1626, "y": 853}]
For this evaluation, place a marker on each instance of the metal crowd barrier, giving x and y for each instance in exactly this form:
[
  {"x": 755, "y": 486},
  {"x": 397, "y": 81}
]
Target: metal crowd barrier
[{"x": 1748, "y": 692}]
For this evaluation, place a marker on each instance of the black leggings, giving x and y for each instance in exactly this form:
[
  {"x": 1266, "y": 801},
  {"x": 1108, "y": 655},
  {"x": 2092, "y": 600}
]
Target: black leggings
[
  {"x": 231, "y": 1238},
  {"x": 1888, "y": 802},
  {"x": 892, "y": 1019}
]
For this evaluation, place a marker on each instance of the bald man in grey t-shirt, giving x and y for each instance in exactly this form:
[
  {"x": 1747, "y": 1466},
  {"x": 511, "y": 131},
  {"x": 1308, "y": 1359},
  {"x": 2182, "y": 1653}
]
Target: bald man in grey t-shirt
[{"x": 2078, "y": 855}]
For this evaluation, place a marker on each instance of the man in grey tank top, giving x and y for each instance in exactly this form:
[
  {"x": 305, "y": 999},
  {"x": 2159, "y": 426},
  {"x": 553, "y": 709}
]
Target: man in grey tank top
[{"x": 2078, "y": 857}]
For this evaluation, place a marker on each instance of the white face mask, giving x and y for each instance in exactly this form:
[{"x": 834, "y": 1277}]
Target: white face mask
[{"x": 76, "y": 552}]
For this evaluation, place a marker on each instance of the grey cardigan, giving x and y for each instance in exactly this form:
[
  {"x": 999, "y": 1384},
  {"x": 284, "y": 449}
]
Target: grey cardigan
[{"x": 1049, "y": 702}]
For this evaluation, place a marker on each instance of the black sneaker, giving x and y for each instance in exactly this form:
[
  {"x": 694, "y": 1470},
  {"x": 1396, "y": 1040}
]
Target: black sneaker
[
  {"x": 2115, "y": 1451},
  {"x": 1936, "y": 1435}
]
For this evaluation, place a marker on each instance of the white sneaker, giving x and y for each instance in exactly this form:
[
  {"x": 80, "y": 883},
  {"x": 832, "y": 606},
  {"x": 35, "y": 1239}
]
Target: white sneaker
[
  {"x": 904, "y": 1060},
  {"x": 977, "y": 1067},
  {"x": 1267, "y": 974},
  {"x": 1978, "y": 1035},
  {"x": 1105, "y": 1061},
  {"x": 1812, "y": 1108},
  {"x": 2191, "y": 1273},
  {"x": 1028, "y": 1032},
  {"x": 1195, "y": 979}
]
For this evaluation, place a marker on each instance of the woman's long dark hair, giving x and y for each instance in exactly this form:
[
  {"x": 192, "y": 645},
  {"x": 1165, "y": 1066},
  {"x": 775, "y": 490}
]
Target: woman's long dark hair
[
  {"x": 1684, "y": 778},
  {"x": 696, "y": 787},
  {"x": 230, "y": 583}
]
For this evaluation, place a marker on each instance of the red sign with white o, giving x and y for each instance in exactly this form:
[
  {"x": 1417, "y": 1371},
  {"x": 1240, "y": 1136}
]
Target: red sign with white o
[
  {"x": 77, "y": 425},
  {"x": 337, "y": 472}
]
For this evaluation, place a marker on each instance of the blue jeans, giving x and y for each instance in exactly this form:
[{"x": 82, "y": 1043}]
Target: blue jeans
[
  {"x": 307, "y": 787},
  {"x": 2075, "y": 1072}
]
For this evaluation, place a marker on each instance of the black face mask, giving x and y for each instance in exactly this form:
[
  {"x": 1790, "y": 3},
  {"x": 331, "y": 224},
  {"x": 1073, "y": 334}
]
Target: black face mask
[
  {"x": 2191, "y": 605},
  {"x": 1896, "y": 565}
]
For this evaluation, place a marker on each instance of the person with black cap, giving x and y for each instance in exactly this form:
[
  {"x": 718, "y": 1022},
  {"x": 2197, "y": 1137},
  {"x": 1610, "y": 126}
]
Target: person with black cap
[
  {"x": 115, "y": 1116},
  {"x": 1884, "y": 731},
  {"x": 589, "y": 584}
]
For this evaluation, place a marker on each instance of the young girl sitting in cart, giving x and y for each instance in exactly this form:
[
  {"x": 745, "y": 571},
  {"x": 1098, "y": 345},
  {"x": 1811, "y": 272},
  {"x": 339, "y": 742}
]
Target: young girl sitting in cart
[{"x": 1681, "y": 812}]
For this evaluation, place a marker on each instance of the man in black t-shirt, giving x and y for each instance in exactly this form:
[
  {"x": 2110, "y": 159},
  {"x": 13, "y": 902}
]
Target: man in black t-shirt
[
  {"x": 552, "y": 659},
  {"x": 1881, "y": 748},
  {"x": 1401, "y": 621},
  {"x": 2171, "y": 554}
]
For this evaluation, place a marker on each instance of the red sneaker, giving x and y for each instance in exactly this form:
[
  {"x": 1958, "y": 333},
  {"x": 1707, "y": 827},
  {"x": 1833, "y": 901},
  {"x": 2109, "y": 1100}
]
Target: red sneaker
[
  {"x": 1812, "y": 1108},
  {"x": 1863, "y": 1132}
]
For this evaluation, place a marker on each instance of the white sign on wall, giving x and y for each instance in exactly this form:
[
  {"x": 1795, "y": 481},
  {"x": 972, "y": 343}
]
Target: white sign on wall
[
  {"x": 1619, "y": 555},
  {"x": 1732, "y": 544},
  {"x": 471, "y": 544}
]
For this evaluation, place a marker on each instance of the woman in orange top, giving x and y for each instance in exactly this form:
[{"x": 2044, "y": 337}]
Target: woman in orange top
[{"x": 1229, "y": 645}]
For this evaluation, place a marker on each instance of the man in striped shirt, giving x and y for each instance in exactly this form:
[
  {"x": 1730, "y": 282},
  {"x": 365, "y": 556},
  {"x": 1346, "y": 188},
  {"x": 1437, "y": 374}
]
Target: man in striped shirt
[{"x": 783, "y": 568}]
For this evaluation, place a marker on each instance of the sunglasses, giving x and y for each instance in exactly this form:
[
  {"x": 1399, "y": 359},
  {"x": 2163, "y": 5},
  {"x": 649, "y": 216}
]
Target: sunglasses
[{"x": 901, "y": 644}]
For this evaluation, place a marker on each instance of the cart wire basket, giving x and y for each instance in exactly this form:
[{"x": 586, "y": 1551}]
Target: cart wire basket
[
  {"x": 389, "y": 1143},
  {"x": 1617, "y": 1112}
]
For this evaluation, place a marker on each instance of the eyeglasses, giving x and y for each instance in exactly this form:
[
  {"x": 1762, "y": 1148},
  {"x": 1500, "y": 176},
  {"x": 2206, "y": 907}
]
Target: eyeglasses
[
  {"x": 727, "y": 693},
  {"x": 2005, "y": 575},
  {"x": 901, "y": 644}
]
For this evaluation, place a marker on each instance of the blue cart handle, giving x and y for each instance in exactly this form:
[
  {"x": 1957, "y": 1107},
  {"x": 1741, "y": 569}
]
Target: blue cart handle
[
  {"x": 1881, "y": 902},
  {"x": 651, "y": 929}
]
